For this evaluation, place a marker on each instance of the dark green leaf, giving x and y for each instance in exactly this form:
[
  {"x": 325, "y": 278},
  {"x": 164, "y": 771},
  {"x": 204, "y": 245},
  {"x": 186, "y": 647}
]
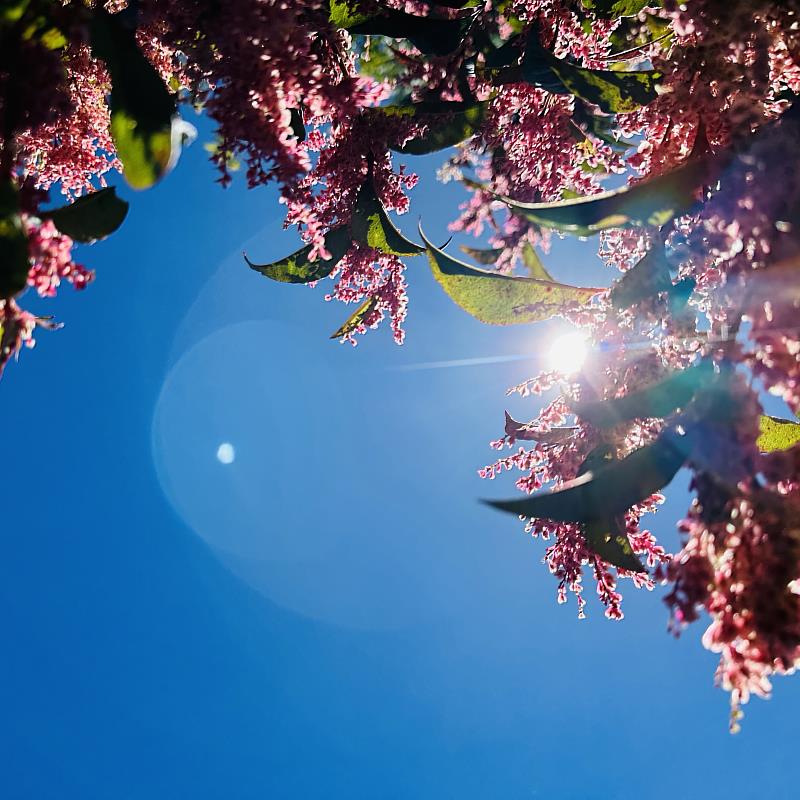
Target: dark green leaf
[
  {"x": 609, "y": 539},
  {"x": 613, "y": 92},
  {"x": 371, "y": 225},
  {"x": 502, "y": 299},
  {"x": 654, "y": 201},
  {"x": 297, "y": 268},
  {"x": 437, "y": 37},
  {"x": 93, "y": 216},
  {"x": 142, "y": 109},
  {"x": 777, "y": 434},
  {"x": 526, "y": 433},
  {"x": 448, "y": 123},
  {"x": 596, "y": 496},
  {"x": 14, "y": 262},
  {"x": 649, "y": 276},
  {"x": 356, "y": 318},
  {"x": 657, "y": 400}
]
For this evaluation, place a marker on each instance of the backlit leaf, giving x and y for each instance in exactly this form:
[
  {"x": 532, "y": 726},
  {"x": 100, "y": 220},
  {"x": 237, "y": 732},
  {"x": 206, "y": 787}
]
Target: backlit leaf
[
  {"x": 142, "y": 109},
  {"x": 93, "y": 216},
  {"x": 356, "y": 318},
  {"x": 596, "y": 496},
  {"x": 613, "y": 9},
  {"x": 532, "y": 262},
  {"x": 777, "y": 434},
  {"x": 346, "y": 13},
  {"x": 613, "y": 92},
  {"x": 297, "y": 268},
  {"x": 371, "y": 225},
  {"x": 502, "y": 299}
]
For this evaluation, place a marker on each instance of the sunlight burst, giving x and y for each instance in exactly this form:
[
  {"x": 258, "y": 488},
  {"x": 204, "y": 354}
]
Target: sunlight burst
[{"x": 568, "y": 352}]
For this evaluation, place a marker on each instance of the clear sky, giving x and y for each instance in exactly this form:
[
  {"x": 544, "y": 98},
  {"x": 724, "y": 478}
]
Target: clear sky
[{"x": 242, "y": 561}]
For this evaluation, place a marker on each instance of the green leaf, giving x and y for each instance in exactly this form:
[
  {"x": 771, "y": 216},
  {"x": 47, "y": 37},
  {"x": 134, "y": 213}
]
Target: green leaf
[
  {"x": 609, "y": 539},
  {"x": 436, "y": 37},
  {"x": 297, "y": 268},
  {"x": 654, "y": 201},
  {"x": 93, "y": 216},
  {"x": 649, "y": 276},
  {"x": 14, "y": 262},
  {"x": 346, "y": 13},
  {"x": 502, "y": 299},
  {"x": 613, "y": 489},
  {"x": 613, "y": 92},
  {"x": 613, "y": 9},
  {"x": 657, "y": 400},
  {"x": 371, "y": 225},
  {"x": 482, "y": 256},
  {"x": 142, "y": 109},
  {"x": 532, "y": 262},
  {"x": 356, "y": 318},
  {"x": 777, "y": 434},
  {"x": 449, "y": 124}
]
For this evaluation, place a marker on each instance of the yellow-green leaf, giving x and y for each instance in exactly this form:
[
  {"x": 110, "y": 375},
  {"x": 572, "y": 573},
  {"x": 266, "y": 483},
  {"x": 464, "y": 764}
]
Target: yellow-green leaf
[
  {"x": 502, "y": 299},
  {"x": 356, "y": 318},
  {"x": 297, "y": 268},
  {"x": 777, "y": 434},
  {"x": 371, "y": 225},
  {"x": 532, "y": 262}
]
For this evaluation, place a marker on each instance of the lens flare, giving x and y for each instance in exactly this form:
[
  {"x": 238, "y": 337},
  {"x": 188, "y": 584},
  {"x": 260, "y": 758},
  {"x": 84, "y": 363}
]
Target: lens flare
[{"x": 568, "y": 352}]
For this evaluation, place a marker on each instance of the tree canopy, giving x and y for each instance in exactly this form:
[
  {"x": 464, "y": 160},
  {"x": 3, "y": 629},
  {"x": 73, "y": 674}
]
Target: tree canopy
[{"x": 533, "y": 105}]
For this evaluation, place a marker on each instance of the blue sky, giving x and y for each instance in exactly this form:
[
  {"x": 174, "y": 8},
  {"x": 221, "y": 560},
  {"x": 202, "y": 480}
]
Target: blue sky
[{"x": 332, "y": 614}]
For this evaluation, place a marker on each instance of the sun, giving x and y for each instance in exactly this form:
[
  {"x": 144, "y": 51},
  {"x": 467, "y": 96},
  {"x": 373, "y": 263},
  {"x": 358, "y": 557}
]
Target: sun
[{"x": 568, "y": 352}]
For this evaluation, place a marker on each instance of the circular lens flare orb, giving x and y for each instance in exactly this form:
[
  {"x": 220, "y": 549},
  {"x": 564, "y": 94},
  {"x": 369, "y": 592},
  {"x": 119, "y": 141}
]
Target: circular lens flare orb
[
  {"x": 225, "y": 453},
  {"x": 568, "y": 352}
]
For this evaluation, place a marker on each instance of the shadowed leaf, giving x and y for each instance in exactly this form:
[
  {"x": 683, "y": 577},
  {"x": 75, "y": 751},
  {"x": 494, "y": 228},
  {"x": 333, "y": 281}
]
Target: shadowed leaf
[
  {"x": 651, "y": 202},
  {"x": 482, "y": 256},
  {"x": 91, "y": 217},
  {"x": 525, "y": 433},
  {"x": 502, "y": 299},
  {"x": 449, "y": 124},
  {"x": 645, "y": 279},
  {"x": 437, "y": 37},
  {"x": 608, "y": 537},
  {"x": 657, "y": 400},
  {"x": 613, "y": 489},
  {"x": 297, "y": 268}
]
